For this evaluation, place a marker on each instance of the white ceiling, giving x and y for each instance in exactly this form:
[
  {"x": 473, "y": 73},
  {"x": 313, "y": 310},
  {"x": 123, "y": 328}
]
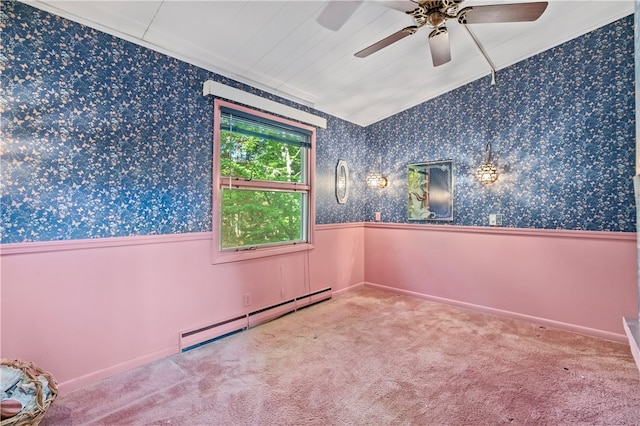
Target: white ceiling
[{"x": 278, "y": 46}]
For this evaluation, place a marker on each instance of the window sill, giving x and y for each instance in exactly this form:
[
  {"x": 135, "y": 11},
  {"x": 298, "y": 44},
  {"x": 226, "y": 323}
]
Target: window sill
[{"x": 237, "y": 256}]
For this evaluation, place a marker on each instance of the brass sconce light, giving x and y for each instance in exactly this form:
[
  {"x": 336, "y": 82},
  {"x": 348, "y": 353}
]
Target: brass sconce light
[
  {"x": 375, "y": 179},
  {"x": 487, "y": 172}
]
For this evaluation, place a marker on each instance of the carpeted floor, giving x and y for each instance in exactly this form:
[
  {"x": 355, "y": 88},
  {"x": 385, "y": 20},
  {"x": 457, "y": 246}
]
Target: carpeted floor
[{"x": 370, "y": 357}]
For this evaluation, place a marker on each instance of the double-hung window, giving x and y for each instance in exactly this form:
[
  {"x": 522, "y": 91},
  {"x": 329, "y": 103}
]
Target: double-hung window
[{"x": 263, "y": 168}]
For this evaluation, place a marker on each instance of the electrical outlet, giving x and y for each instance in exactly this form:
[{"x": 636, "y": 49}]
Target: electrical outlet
[
  {"x": 247, "y": 299},
  {"x": 378, "y": 216},
  {"x": 495, "y": 219}
]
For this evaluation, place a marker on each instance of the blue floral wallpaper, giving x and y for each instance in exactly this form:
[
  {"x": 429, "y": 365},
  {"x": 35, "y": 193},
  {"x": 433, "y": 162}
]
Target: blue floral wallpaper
[
  {"x": 102, "y": 137},
  {"x": 92, "y": 148},
  {"x": 562, "y": 129},
  {"x": 341, "y": 140}
]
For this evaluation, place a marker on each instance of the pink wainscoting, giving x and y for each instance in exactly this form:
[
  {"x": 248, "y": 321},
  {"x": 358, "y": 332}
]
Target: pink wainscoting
[
  {"x": 338, "y": 257},
  {"x": 576, "y": 280},
  {"x": 85, "y": 310}
]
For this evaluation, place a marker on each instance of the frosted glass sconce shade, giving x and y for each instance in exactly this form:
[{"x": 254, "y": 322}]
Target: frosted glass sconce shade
[
  {"x": 376, "y": 180},
  {"x": 487, "y": 172}
]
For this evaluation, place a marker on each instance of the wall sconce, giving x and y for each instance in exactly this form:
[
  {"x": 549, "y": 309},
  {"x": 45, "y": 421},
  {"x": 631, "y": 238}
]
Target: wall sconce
[
  {"x": 487, "y": 172},
  {"x": 375, "y": 179}
]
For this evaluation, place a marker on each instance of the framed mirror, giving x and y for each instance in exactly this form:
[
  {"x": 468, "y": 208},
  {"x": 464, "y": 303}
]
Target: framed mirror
[
  {"x": 431, "y": 190},
  {"x": 342, "y": 182}
]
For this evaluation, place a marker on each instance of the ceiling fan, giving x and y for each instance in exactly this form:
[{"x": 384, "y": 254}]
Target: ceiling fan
[{"x": 435, "y": 13}]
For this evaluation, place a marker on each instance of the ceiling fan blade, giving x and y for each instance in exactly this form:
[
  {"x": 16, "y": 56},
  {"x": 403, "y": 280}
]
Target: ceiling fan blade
[
  {"x": 439, "y": 45},
  {"x": 387, "y": 41},
  {"x": 336, "y": 13},
  {"x": 515, "y": 12}
]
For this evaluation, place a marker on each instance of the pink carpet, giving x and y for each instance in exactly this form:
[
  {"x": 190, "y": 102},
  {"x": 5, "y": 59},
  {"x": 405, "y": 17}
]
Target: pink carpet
[{"x": 370, "y": 357}]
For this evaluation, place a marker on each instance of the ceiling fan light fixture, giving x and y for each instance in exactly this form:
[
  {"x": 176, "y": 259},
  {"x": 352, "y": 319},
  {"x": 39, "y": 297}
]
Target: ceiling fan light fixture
[{"x": 435, "y": 19}]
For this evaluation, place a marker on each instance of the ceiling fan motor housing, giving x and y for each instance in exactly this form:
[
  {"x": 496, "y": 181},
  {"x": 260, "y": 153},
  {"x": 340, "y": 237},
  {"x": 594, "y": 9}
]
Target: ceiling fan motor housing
[{"x": 434, "y": 13}]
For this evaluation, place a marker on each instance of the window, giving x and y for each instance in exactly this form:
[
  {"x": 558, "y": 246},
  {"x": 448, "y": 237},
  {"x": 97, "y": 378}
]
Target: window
[{"x": 263, "y": 184}]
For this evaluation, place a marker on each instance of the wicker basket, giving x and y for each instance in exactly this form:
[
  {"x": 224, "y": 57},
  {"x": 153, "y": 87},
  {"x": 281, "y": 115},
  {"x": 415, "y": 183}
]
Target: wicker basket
[{"x": 34, "y": 416}]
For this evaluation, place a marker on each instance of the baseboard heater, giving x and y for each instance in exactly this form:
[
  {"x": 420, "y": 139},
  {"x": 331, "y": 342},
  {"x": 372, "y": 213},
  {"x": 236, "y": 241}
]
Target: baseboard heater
[{"x": 192, "y": 339}]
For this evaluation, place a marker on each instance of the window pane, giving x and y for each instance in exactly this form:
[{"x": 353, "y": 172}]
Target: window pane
[
  {"x": 253, "y": 158},
  {"x": 257, "y": 150},
  {"x": 256, "y": 217}
]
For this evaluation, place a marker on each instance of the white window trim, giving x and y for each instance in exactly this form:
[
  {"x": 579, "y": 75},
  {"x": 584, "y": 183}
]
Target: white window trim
[{"x": 225, "y": 256}]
